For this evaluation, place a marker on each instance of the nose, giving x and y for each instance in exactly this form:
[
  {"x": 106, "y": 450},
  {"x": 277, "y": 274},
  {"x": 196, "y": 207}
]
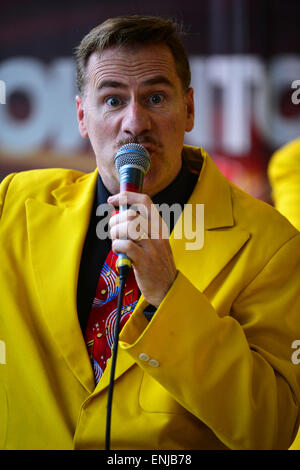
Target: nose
[{"x": 136, "y": 120}]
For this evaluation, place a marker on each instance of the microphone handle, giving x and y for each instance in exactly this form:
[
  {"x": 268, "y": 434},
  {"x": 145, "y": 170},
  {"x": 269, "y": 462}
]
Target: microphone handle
[{"x": 131, "y": 179}]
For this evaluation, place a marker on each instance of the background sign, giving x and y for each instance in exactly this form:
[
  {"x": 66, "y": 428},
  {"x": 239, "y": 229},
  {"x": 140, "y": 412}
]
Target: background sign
[{"x": 245, "y": 61}]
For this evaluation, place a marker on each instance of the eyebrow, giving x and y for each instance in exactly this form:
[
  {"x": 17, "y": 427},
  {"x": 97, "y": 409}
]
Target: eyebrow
[
  {"x": 159, "y": 79},
  {"x": 111, "y": 84}
]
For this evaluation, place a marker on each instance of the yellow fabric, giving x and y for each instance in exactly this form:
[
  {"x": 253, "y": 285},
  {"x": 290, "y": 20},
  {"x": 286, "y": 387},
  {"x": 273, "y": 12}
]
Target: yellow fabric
[
  {"x": 284, "y": 176},
  {"x": 221, "y": 338}
]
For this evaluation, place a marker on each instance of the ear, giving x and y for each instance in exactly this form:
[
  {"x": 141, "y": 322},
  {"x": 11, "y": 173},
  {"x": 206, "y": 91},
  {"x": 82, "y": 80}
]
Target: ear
[
  {"x": 81, "y": 117},
  {"x": 190, "y": 109}
]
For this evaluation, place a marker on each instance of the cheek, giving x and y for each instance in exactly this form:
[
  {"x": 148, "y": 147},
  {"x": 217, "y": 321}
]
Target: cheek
[
  {"x": 94, "y": 117},
  {"x": 100, "y": 130},
  {"x": 175, "y": 129}
]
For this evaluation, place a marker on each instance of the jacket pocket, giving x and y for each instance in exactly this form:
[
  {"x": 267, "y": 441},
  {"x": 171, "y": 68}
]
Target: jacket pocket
[
  {"x": 154, "y": 398},
  {"x": 3, "y": 416}
]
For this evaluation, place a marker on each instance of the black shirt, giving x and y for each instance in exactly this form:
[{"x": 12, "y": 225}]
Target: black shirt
[{"x": 96, "y": 250}]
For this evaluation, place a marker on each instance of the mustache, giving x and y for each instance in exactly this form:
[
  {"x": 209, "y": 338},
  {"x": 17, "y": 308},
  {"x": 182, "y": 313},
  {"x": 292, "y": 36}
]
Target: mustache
[{"x": 139, "y": 139}]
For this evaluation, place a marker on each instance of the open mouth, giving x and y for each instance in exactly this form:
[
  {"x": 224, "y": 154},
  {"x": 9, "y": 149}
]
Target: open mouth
[
  {"x": 148, "y": 142},
  {"x": 149, "y": 147}
]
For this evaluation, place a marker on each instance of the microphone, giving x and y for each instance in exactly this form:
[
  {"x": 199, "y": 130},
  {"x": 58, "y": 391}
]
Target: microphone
[{"x": 132, "y": 162}]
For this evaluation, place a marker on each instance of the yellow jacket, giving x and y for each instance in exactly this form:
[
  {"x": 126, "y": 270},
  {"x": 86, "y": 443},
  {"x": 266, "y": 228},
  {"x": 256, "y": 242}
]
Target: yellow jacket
[
  {"x": 284, "y": 176},
  {"x": 221, "y": 338}
]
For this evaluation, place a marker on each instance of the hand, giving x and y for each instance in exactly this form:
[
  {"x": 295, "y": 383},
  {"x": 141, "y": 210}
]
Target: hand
[{"x": 143, "y": 236}]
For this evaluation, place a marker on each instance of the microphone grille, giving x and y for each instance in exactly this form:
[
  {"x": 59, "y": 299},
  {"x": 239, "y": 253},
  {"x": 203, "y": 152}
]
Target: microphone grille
[{"x": 133, "y": 154}]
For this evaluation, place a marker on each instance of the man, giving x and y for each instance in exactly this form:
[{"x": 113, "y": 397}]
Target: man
[{"x": 204, "y": 358}]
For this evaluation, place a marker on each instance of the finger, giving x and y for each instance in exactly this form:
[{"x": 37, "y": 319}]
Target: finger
[
  {"x": 138, "y": 229},
  {"x": 129, "y": 198},
  {"x": 124, "y": 216},
  {"x": 128, "y": 247},
  {"x": 142, "y": 203},
  {"x": 134, "y": 229}
]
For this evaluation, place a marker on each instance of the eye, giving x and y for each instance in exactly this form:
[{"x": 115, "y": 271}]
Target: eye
[
  {"x": 113, "y": 101},
  {"x": 156, "y": 98}
]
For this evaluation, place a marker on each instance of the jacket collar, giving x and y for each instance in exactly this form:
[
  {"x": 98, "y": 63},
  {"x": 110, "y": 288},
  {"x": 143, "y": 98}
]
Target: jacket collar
[
  {"x": 212, "y": 189},
  {"x": 56, "y": 234},
  {"x": 222, "y": 237}
]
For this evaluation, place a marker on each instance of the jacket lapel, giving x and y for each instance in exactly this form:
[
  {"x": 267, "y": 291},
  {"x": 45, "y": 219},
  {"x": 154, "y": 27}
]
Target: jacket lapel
[
  {"x": 222, "y": 239},
  {"x": 124, "y": 362},
  {"x": 56, "y": 236}
]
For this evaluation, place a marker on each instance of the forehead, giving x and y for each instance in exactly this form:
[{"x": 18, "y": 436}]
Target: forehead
[{"x": 132, "y": 64}]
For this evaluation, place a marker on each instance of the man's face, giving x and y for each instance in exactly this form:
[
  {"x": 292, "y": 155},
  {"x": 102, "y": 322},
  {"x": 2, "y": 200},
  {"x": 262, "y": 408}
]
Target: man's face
[{"x": 135, "y": 95}]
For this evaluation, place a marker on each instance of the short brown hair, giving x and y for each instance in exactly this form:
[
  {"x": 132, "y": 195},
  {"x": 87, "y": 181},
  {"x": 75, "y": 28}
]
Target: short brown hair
[{"x": 129, "y": 31}]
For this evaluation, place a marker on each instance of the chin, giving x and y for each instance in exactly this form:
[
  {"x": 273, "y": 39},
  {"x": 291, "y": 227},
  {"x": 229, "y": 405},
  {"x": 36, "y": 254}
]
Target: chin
[
  {"x": 151, "y": 188},
  {"x": 157, "y": 179}
]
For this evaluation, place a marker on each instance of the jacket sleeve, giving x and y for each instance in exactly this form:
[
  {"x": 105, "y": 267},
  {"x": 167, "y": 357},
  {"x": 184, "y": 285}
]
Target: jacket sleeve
[{"x": 232, "y": 371}]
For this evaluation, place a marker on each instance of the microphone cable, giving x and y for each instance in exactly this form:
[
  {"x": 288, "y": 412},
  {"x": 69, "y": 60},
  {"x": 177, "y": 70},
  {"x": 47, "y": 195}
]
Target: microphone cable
[
  {"x": 132, "y": 162},
  {"x": 123, "y": 274}
]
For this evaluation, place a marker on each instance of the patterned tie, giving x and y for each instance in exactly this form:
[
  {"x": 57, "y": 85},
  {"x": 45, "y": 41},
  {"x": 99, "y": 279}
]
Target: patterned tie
[{"x": 99, "y": 335}]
